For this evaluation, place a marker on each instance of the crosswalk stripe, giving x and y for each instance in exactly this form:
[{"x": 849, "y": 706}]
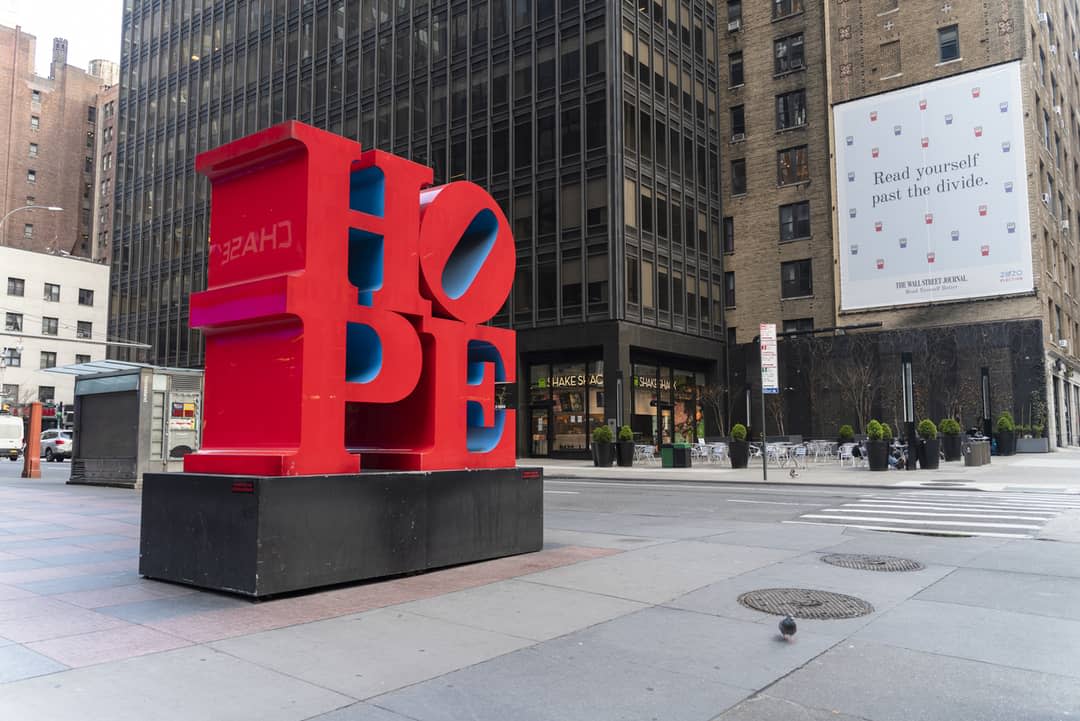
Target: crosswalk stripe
[
  {"x": 939, "y": 532},
  {"x": 935, "y": 515},
  {"x": 914, "y": 521},
  {"x": 964, "y": 506}
]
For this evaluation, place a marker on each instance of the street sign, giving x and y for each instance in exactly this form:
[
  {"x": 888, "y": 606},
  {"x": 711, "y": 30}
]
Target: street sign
[{"x": 770, "y": 380}]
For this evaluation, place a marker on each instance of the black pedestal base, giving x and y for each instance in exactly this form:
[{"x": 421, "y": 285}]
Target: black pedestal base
[{"x": 262, "y": 536}]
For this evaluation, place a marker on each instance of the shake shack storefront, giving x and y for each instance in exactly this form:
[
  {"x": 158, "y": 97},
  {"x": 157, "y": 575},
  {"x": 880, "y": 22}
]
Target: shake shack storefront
[{"x": 563, "y": 395}]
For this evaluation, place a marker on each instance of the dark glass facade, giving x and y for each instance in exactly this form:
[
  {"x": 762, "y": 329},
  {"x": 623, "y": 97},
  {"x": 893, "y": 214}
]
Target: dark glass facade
[{"x": 593, "y": 124}]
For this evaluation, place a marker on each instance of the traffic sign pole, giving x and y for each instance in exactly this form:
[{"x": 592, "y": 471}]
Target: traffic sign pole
[{"x": 769, "y": 384}]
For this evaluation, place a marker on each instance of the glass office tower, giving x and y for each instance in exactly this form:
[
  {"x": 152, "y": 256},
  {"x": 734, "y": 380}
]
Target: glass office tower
[{"x": 593, "y": 124}]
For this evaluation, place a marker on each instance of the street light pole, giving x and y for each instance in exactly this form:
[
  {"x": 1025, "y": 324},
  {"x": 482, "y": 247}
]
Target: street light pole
[{"x": 52, "y": 208}]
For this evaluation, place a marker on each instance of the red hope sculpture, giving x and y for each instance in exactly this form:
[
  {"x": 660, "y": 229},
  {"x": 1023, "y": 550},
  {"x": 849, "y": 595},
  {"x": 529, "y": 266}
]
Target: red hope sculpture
[{"x": 343, "y": 312}]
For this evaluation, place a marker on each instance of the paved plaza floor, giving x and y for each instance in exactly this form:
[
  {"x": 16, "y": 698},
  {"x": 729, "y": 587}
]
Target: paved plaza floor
[{"x": 629, "y": 612}]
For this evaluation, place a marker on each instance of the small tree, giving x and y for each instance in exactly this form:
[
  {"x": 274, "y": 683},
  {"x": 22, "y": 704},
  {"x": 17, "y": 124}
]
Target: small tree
[
  {"x": 714, "y": 398},
  {"x": 857, "y": 377}
]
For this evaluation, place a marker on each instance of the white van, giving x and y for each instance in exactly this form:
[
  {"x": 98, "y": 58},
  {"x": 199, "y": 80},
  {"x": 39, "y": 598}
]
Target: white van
[{"x": 11, "y": 437}]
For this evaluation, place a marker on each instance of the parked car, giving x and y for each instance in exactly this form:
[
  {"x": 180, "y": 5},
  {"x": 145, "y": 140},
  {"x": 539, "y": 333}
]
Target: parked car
[
  {"x": 56, "y": 445},
  {"x": 11, "y": 437}
]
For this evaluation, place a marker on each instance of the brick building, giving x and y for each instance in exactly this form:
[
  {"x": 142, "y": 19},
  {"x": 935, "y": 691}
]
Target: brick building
[{"x": 48, "y": 127}]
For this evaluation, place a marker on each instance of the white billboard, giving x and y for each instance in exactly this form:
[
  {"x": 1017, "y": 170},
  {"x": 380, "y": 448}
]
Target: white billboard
[{"x": 932, "y": 192}]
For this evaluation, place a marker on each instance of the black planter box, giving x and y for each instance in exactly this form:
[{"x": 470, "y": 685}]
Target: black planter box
[
  {"x": 603, "y": 454},
  {"x": 740, "y": 453},
  {"x": 624, "y": 453},
  {"x": 877, "y": 455},
  {"x": 261, "y": 536},
  {"x": 954, "y": 447},
  {"x": 1006, "y": 443},
  {"x": 929, "y": 453}
]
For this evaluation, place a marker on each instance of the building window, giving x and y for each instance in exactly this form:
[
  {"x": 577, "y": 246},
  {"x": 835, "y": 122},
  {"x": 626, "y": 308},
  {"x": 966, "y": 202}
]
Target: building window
[
  {"x": 28, "y": 230},
  {"x": 791, "y": 110},
  {"x": 796, "y": 280},
  {"x": 729, "y": 235},
  {"x": 12, "y": 357},
  {"x": 9, "y": 392},
  {"x": 46, "y": 394},
  {"x": 735, "y": 69},
  {"x": 729, "y": 289},
  {"x": 948, "y": 43},
  {"x": 13, "y": 322},
  {"x": 48, "y": 359},
  {"x": 31, "y": 176},
  {"x": 35, "y": 97},
  {"x": 734, "y": 13},
  {"x": 788, "y": 54},
  {"x": 738, "y": 122},
  {"x": 795, "y": 221},
  {"x": 52, "y": 293},
  {"x": 798, "y": 324},
  {"x": 33, "y": 150},
  {"x": 738, "y": 176},
  {"x": 91, "y": 114},
  {"x": 50, "y": 326},
  {"x": 80, "y": 358},
  {"x": 86, "y": 297},
  {"x": 783, "y": 8},
  {"x": 35, "y": 122},
  {"x": 85, "y": 329},
  {"x": 16, "y": 286},
  {"x": 889, "y": 59},
  {"x": 791, "y": 166}
]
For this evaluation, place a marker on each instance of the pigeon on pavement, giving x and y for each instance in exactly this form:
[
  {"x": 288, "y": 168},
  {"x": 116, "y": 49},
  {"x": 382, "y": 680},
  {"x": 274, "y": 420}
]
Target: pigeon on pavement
[{"x": 787, "y": 628}]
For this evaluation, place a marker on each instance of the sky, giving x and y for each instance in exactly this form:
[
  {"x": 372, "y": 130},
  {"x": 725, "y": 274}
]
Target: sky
[{"x": 92, "y": 27}]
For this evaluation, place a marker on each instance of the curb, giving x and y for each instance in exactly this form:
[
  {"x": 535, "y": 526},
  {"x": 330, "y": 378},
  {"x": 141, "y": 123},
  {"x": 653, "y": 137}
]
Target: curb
[{"x": 549, "y": 476}]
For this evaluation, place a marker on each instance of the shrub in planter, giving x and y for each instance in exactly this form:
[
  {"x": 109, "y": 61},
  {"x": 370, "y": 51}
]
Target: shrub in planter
[
  {"x": 624, "y": 449},
  {"x": 1006, "y": 435},
  {"x": 886, "y": 432},
  {"x": 739, "y": 449},
  {"x": 951, "y": 439},
  {"x": 603, "y": 451},
  {"x": 929, "y": 446},
  {"x": 847, "y": 433},
  {"x": 877, "y": 448}
]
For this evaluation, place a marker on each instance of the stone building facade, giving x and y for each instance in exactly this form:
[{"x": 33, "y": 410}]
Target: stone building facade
[{"x": 48, "y": 127}]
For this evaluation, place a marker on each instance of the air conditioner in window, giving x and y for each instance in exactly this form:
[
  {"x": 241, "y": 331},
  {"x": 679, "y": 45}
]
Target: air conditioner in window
[
  {"x": 1057, "y": 109},
  {"x": 1053, "y": 49},
  {"x": 1063, "y": 343},
  {"x": 734, "y": 25},
  {"x": 1044, "y": 18},
  {"x": 737, "y": 137},
  {"x": 1046, "y": 198},
  {"x": 1076, "y": 54},
  {"x": 1065, "y": 225}
]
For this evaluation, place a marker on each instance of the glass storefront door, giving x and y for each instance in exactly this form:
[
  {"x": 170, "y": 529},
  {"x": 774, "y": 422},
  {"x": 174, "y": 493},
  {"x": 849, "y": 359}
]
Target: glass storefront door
[{"x": 539, "y": 431}]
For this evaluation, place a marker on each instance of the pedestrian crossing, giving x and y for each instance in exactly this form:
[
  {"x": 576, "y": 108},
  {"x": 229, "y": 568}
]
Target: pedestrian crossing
[{"x": 948, "y": 513}]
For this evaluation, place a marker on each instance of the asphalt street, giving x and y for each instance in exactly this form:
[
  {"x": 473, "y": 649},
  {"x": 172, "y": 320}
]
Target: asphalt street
[{"x": 631, "y": 611}]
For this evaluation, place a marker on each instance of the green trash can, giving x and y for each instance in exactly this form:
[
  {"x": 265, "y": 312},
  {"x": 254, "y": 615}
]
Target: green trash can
[
  {"x": 681, "y": 455},
  {"x": 667, "y": 456}
]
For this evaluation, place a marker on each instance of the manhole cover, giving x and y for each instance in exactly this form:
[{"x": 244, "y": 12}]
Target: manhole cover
[
  {"x": 805, "y": 603},
  {"x": 872, "y": 563}
]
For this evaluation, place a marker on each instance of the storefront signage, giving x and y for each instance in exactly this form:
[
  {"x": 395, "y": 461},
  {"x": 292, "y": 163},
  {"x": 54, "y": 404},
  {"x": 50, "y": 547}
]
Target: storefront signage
[
  {"x": 769, "y": 375},
  {"x": 368, "y": 323},
  {"x": 571, "y": 381}
]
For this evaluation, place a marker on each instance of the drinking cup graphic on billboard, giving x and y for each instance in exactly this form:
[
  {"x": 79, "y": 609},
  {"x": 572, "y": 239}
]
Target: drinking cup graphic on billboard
[{"x": 934, "y": 197}]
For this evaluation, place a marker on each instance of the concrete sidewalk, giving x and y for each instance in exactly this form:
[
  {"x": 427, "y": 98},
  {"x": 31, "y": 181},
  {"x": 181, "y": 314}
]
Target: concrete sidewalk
[
  {"x": 1059, "y": 471},
  {"x": 630, "y": 612}
]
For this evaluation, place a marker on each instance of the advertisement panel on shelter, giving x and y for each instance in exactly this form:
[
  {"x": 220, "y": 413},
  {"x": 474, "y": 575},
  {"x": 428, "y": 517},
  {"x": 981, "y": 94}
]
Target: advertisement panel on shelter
[{"x": 932, "y": 192}]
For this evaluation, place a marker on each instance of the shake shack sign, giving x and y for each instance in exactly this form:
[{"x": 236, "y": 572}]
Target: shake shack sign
[{"x": 577, "y": 380}]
